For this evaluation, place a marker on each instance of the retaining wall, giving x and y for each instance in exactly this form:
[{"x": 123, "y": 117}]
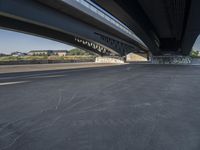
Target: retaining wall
[
  {"x": 110, "y": 60},
  {"x": 171, "y": 60}
]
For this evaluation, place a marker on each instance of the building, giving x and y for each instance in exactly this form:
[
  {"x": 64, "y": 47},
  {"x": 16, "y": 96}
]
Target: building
[
  {"x": 61, "y": 52},
  {"x": 2, "y": 54},
  {"x": 40, "y": 53},
  {"x": 18, "y": 54}
]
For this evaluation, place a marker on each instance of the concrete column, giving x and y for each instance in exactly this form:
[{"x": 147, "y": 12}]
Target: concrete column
[{"x": 171, "y": 60}]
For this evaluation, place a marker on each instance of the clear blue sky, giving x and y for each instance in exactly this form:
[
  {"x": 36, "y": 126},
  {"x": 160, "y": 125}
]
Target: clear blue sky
[
  {"x": 13, "y": 41},
  {"x": 197, "y": 44}
]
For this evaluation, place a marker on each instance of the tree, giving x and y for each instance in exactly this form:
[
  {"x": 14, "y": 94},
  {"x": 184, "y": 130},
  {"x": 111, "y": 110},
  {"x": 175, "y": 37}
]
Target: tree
[
  {"x": 195, "y": 53},
  {"x": 79, "y": 52}
]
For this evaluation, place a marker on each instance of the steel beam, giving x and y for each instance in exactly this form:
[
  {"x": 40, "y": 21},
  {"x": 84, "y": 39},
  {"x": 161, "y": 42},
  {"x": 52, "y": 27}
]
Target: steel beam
[
  {"x": 28, "y": 28},
  {"x": 38, "y": 17},
  {"x": 192, "y": 30},
  {"x": 134, "y": 18}
]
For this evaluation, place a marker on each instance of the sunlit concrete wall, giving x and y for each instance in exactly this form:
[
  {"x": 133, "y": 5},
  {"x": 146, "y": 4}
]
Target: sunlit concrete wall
[
  {"x": 136, "y": 57},
  {"x": 109, "y": 60}
]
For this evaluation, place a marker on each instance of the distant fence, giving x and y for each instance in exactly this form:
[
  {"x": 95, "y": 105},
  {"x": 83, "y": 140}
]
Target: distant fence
[{"x": 21, "y": 62}]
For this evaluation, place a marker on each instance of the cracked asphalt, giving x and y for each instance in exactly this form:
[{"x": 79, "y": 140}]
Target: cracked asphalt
[{"x": 128, "y": 107}]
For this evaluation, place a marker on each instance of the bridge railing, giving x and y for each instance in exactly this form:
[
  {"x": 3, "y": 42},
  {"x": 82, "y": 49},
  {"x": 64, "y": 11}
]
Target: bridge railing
[{"x": 108, "y": 17}]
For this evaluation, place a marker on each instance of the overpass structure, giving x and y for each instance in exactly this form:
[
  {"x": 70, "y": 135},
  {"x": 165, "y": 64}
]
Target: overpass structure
[
  {"x": 78, "y": 23},
  {"x": 114, "y": 27},
  {"x": 165, "y": 26}
]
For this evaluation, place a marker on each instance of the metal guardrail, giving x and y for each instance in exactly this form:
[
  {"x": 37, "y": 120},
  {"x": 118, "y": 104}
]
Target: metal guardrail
[
  {"x": 108, "y": 17},
  {"x": 105, "y": 15}
]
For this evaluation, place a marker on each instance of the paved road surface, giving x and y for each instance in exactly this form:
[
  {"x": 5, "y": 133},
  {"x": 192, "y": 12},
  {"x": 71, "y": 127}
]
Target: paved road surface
[
  {"x": 128, "y": 107},
  {"x": 46, "y": 67}
]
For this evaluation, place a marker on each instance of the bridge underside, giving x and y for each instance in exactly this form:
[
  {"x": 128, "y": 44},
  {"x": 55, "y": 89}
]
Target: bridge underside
[
  {"x": 17, "y": 25},
  {"x": 165, "y": 26},
  {"x": 44, "y": 19}
]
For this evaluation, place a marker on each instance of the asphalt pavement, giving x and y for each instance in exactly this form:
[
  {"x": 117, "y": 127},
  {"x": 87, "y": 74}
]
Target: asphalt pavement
[
  {"x": 126, "y": 107},
  {"x": 49, "y": 67}
]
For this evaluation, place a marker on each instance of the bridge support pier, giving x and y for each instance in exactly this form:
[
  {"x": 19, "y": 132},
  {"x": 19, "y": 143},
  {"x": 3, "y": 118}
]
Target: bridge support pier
[
  {"x": 110, "y": 59},
  {"x": 171, "y": 60}
]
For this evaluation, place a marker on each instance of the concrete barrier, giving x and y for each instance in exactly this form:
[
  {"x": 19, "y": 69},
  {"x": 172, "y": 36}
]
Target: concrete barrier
[
  {"x": 171, "y": 60},
  {"x": 110, "y": 60},
  {"x": 196, "y": 61}
]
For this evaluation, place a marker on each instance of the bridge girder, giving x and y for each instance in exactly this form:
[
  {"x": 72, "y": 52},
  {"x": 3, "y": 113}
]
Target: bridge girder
[
  {"x": 137, "y": 22},
  {"x": 165, "y": 26},
  {"x": 32, "y": 17}
]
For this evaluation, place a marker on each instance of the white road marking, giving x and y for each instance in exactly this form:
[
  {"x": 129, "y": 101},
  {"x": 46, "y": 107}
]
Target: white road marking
[
  {"x": 31, "y": 76},
  {"x": 11, "y": 83},
  {"x": 49, "y": 73},
  {"x": 50, "y": 76}
]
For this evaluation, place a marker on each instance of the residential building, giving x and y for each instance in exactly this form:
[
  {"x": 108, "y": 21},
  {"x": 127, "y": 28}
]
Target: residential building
[
  {"x": 2, "y": 54},
  {"x": 18, "y": 54},
  {"x": 40, "y": 53},
  {"x": 61, "y": 52}
]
